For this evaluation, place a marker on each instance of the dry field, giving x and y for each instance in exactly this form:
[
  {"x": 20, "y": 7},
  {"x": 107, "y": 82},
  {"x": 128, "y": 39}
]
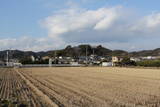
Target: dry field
[
  {"x": 83, "y": 86},
  {"x": 15, "y": 92}
]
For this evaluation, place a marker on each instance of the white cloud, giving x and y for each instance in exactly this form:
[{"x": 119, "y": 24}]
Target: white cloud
[
  {"x": 148, "y": 24},
  {"x": 153, "y": 20},
  {"x": 76, "y": 19},
  {"x": 29, "y": 43},
  {"x": 103, "y": 25},
  {"x": 108, "y": 16},
  {"x": 112, "y": 27}
]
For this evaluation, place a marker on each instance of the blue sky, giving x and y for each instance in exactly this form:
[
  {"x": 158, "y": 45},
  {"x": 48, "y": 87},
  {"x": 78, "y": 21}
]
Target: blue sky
[{"x": 32, "y": 20}]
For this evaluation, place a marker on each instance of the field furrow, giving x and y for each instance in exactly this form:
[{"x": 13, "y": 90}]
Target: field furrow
[
  {"x": 94, "y": 87},
  {"x": 15, "y": 92},
  {"x": 80, "y": 87}
]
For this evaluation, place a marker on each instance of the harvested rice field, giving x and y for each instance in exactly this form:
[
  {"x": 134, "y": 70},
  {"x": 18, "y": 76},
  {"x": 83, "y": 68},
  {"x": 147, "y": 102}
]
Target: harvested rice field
[
  {"x": 80, "y": 87},
  {"x": 15, "y": 92}
]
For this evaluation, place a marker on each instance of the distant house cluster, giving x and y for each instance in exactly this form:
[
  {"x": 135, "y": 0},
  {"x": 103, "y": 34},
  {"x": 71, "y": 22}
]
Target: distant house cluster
[
  {"x": 10, "y": 63},
  {"x": 92, "y": 60},
  {"x": 81, "y": 55}
]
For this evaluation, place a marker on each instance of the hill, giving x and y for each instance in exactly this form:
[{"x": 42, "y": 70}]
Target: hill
[
  {"x": 76, "y": 51},
  {"x": 155, "y": 52}
]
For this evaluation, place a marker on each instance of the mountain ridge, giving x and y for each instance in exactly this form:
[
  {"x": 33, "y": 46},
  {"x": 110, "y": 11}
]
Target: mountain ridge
[{"x": 79, "y": 50}]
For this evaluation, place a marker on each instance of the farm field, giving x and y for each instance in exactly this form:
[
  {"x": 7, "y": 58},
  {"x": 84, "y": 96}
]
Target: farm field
[
  {"x": 14, "y": 92},
  {"x": 96, "y": 86},
  {"x": 82, "y": 86}
]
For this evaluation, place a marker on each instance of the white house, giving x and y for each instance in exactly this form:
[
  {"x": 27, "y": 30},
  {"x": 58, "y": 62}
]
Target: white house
[
  {"x": 2, "y": 63},
  {"x": 106, "y": 64},
  {"x": 17, "y": 64},
  {"x": 135, "y": 59},
  {"x": 33, "y": 58},
  {"x": 116, "y": 60},
  {"x": 74, "y": 63}
]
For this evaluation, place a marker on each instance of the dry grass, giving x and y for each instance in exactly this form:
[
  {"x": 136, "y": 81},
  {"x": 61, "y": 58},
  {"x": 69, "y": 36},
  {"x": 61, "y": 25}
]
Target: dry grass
[{"x": 97, "y": 87}]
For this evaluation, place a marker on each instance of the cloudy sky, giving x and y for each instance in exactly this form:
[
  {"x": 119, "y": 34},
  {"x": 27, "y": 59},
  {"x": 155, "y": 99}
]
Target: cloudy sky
[{"x": 38, "y": 25}]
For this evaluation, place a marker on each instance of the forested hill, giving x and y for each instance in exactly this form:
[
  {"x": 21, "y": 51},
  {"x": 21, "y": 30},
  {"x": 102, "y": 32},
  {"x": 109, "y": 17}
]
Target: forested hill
[{"x": 78, "y": 51}]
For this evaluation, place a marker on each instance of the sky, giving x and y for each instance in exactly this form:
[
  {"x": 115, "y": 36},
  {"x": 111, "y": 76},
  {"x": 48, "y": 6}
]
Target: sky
[{"x": 41, "y": 25}]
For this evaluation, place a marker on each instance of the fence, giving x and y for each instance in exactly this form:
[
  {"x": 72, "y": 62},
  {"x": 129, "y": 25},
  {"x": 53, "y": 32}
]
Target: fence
[{"x": 53, "y": 65}]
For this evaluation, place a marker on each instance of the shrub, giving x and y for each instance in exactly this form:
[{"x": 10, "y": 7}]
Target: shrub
[
  {"x": 127, "y": 62},
  {"x": 149, "y": 63}
]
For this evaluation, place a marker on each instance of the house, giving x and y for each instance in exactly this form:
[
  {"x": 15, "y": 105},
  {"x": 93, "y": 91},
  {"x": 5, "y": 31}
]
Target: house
[
  {"x": 17, "y": 64},
  {"x": 33, "y": 58},
  {"x": 106, "y": 64},
  {"x": 45, "y": 58},
  {"x": 2, "y": 63},
  {"x": 149, "y": 58},
  {"x": 74, "y": 63},
  {"x": 135, "y": 59},
  {"x": 13, "y": 62},
  {"x": 116, "y": 60}
]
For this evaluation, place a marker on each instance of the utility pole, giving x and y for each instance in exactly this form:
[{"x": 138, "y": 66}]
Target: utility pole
[
  {"x": 93, "y": 54},
  {"x": 86, "y": 54},
  {"x": 10, "y": 55},
  {"x": 7, "y": 60},
  {"x": 93, "y": 51},
  {"x": 55, "y": 54},
  {"x": 50, "y": 62}
]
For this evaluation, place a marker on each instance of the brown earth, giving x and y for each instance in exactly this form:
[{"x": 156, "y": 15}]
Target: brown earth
[
  {"x": 14, "y": 92},
  {"x": 95, "y": 86}
]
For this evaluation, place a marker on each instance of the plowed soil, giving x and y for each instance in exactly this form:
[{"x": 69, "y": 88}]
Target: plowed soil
[{"x": 90, "y": 86}]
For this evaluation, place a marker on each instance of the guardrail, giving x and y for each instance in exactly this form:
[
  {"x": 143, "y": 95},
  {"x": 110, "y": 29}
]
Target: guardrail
[{"x": 53, "y": 65}]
